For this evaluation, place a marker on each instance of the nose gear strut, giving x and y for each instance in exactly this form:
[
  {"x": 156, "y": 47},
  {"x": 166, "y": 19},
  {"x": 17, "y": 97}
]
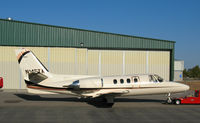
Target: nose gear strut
[{"x": 169, "y": 100}]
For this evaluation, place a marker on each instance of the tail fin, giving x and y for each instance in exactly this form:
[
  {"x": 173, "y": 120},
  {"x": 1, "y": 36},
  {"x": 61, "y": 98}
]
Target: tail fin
[{"x": 32, "y": 69}]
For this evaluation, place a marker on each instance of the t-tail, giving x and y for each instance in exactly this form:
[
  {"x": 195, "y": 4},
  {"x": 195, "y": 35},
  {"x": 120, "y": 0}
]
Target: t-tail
[{"x": 32, "y": 69}]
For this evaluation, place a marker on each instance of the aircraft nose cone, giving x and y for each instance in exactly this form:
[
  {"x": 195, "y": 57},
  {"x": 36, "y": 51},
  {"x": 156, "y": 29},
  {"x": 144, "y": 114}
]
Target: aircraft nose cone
[
  {"x": 179, "y": 87},
  {"x": 185, "y": 87}
]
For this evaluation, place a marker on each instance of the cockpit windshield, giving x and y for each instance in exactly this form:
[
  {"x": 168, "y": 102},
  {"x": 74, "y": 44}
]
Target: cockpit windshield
[
  {"x": 160, "y": 79},
  {"x": 152, "y": 78},
  {"x": 155, "y": 78}
]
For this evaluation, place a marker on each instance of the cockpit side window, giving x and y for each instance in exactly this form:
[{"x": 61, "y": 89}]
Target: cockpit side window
[
  {"x": 152, "y": 78},
  {"x": 160, "y": 79}
]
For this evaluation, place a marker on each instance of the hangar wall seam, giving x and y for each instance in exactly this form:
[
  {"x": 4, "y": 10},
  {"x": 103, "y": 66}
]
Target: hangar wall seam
[
  {"x": 86, "y": 62},
  {"x": 99, "y": 63},
  {"x": 75, "y": 71},
  {"x": 49, "y": 56},
  {"x": 147, "y": 62},
  {"x": 123, "y": 65}
]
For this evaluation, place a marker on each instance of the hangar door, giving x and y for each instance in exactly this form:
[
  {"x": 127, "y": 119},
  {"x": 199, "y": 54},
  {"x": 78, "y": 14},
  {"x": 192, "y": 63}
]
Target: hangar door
[
  {"x": 115, "y": 62},
  {"x": 81, "y": 61},
  {"x": 159, "y": 63}
]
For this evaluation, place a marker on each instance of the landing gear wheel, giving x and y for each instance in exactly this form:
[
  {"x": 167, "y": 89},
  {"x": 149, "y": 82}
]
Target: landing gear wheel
[
  {"x": 178, "y": 102},
  {"x": 169, "y": 101}
]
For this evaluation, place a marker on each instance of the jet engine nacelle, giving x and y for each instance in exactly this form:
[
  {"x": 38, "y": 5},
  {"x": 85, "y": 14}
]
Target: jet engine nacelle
[
  {"x": 91, "y": 83},
  {"x": 86, "y": 83}
]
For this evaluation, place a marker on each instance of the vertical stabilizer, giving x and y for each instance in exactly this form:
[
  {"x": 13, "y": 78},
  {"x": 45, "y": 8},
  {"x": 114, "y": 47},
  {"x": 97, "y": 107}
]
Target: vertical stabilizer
[{"x": 31, "y": 67}]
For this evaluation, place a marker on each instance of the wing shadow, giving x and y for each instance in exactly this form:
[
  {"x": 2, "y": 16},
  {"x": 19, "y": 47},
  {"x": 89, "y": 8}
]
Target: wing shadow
[
  {"x": 39, "y": 98},
  {"x": 96, "y": 102}
]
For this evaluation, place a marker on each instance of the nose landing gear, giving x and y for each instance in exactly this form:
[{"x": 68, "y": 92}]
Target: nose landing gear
[{"x": 169, "y": 100}]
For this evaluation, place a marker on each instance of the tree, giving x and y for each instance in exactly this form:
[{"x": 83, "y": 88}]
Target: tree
[
  {"x": 185, "y": 73},
  {"x": 192, "y": 73}
]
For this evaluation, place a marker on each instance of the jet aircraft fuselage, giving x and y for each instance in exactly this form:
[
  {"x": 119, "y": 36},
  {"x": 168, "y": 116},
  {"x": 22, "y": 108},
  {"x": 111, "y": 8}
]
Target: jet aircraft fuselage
[{"x": 40, "y": 80}]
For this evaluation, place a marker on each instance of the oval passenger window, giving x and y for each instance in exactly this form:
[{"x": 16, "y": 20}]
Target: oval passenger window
[
  {"x": 135, "y": 80},
  {"x": 121, "y": 81},
  {"x": 115, "y": 81}
]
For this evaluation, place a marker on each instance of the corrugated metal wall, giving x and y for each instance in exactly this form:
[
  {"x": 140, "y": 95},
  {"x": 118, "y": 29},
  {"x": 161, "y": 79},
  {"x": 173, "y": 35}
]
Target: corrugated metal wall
[
  {"x": 93, "y": 62},
  {"x": 17, "y": 33},
  {"x": 85, "y": 62},
  {"x": 111, "y": 62},
  {"x": 159, "y": 63},
  {"x": 61, "y": 60},
  {"x": 135, "y": 62},
  {"x": 9, "y": 68}
]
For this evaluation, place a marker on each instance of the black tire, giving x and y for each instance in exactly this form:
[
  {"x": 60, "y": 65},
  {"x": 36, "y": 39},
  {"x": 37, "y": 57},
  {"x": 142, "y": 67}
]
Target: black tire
[{"x": 169, "y": 101}]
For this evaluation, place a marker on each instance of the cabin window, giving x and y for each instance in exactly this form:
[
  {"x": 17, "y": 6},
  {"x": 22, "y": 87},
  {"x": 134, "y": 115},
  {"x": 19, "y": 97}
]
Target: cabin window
[
  {"x": 135, "y": 80},
  {"x": 128, "y": 80},
  {"x": 115, "y": 81},
  {"x": 121, "y": 81}
]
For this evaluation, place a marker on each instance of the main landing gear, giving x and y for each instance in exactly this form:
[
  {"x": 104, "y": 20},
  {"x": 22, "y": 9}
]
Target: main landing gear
[
  {"x": 106, "y": 101},
  {"x": 109, "y": 100}
]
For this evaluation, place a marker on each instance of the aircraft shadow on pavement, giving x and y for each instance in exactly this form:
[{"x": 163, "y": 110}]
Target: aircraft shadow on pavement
[
  {"x": 97, "y": 102},
  {"x": 136, "y": 100},
  {"x": 39, "y": 98}
]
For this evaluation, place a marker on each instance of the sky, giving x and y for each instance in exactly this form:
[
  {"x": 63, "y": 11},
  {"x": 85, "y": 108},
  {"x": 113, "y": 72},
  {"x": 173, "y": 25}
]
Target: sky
[{"x": 175, "y": 20}]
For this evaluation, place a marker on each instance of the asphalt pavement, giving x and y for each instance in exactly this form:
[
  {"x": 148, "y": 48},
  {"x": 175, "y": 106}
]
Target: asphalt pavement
[{"x": 24, "y": 107}]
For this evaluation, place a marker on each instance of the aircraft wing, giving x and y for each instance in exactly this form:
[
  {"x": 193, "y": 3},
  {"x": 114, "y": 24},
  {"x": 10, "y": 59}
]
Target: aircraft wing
[{"x": 113, "y": 92}]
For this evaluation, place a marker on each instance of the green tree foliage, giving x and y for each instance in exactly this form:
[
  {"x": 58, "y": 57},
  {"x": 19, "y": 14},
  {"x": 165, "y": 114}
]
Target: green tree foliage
[
  {"x": 192, "y": 73},
  {"x": 185, "y": 73}
]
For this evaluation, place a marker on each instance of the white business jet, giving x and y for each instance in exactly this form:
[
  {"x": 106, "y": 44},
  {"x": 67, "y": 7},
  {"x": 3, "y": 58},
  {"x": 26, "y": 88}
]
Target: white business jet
[{"x": 40, "y": 80}]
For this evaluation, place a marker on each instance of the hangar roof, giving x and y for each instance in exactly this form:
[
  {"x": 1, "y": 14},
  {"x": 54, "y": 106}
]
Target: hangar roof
[{"x": 19, "y": 33}]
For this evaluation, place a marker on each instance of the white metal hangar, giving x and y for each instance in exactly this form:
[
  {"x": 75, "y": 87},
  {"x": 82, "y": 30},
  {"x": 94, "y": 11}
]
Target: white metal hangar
[{"x": 66, "y": 50}]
